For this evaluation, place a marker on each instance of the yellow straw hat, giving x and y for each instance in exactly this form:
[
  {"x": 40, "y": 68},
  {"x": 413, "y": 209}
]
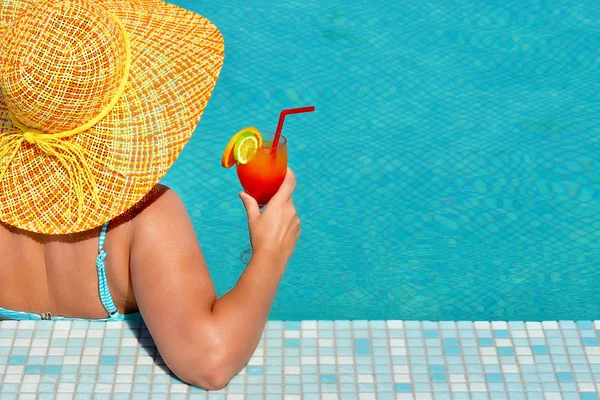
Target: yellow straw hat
[{"x": 98, "y": 99}]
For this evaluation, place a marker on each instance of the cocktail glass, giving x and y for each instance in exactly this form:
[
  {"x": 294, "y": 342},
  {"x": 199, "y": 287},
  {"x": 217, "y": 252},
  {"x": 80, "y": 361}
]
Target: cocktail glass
[{"x": 262, "y": 176}]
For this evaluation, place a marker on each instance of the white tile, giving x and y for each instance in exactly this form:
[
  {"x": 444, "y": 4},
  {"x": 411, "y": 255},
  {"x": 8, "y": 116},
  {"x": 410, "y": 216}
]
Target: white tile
[
  {"x": 91, "y": 351},
  {"x": 327, "y": 360},
  {"x": 510, "y": 369},
  {"x": 5, "y": 342},
  {"x": 488, "y": 351},
  {"x": 66, "y": 387},
  {"x": 8, "y": 324},
  {"x": 256, "y": 361},
  {"x": 22, "y": 342},
  {"x": 231, "y": 396},
  {"x": 124, "y": 378},
  {"x": 526, "y": 360},
  {"x": 329, "y": 396},
  {"x": 523, "y": 351},
  {"x": 345, "y": 360},
  {"x": 64, "y": 396},
  {"x": 365, "y": 378},
  {"x": 586, "y": 386},
  {"x": 27, "y": 396},
  {"x": 114, "y": 325},
  {"x": 489, "y": 360},
  {"x": 77, "y": 333},
  {"x": 456, "y": 378},
  {"x": 40, "y": 343},
  {"x": 32, "y": 378},
  {"x": 552, "y": 396},
  {"x": 38, "y": 351},
  {"x": 62, "y": 326},
  {"x": 95, "y": 333},
  {"x": 395, "y": 324},
  {"x": 125, "y": 387},
  {"x": 533, "y": 325},
  {"x": 15, "y": 369},
  {"x": 292, "y": 369},
  {"x": 325, "y": 343},
  {"x": 398, "y": 351},
  {"x": 478, "y": 387},
  {"x": 12, "y": 378},
  {"x": 103, "y": 388},
  {"x": 499, "y": 325},
  {"x": 308, "y": 325},
  {"x": 482, "y": 325},
  {"x": 401, "y": 378},
  {"x": 125, "y": 369},
  {"x": 145, "y": 360},
  {"x": 308, "y": 360},
  {"x": 89, "y": 360},
  {"x": 503, "y": 343},
  {"x": 309, "y": 334},
  {"x": 259, "y": 352},
  {"x": 518, "y": 334},
  {"x": 400, "y": 369},
  {"x": 179, "y": 388},
  {"x": 459, "y": 387},
  {"x": 367, "y": 396},
  {"x": 536, "y": 334},
  {"x": 423, "y": 396},
  {"x": 291, "y": 335},
  {"x": 550, "y": 325},
  {"x": 398, "y": 342},
  {"x": 129, "y": 342}
]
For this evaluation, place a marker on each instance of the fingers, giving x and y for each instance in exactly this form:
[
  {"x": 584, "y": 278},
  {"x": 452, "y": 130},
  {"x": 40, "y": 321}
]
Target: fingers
[
  {"x": 287, "y": 187},
  {"x": 251, "y": 206}
]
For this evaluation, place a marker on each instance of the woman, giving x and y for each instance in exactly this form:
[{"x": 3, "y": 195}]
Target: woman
[{"x": 98, "y": 99}]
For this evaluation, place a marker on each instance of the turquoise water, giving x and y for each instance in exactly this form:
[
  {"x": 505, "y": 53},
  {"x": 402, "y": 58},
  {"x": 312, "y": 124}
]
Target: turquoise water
[{"x": 450, "y": 172}]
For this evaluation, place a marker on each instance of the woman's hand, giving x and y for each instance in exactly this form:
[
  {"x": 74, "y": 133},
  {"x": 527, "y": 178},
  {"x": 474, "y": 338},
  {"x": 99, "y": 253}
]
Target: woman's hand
[{"x": 277, "y": 229}]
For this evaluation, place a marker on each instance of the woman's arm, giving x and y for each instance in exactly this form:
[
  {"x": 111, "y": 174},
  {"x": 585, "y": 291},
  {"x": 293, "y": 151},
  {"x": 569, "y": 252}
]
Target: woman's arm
[{"x": 205, "y": 341}]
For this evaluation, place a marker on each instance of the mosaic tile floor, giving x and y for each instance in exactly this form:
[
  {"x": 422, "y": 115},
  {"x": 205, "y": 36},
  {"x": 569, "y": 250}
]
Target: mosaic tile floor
[{"x": 313, "y": 360}]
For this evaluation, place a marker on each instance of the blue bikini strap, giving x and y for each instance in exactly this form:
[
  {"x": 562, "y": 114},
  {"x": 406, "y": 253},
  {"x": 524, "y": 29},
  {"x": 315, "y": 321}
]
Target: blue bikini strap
[{"x": 105, "y": 296}]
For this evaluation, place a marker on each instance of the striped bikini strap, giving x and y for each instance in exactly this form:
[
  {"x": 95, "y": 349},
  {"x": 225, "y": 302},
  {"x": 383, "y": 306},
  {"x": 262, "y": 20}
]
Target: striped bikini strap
[{"x": 105, "y": 296}]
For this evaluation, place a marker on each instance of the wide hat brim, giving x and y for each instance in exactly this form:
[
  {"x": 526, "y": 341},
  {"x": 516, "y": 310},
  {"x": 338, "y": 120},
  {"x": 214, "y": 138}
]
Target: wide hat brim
[{"x": 176, "y": 57}]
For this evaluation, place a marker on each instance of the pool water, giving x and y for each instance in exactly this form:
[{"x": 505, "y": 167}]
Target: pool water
[{"x": 451, "y": 170}]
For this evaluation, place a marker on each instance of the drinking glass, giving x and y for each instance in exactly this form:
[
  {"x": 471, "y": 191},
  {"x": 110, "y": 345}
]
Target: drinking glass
[{"x": 262, "y": 176}]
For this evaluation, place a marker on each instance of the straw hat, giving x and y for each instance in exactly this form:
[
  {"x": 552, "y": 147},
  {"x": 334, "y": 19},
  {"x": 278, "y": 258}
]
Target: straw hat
[{"x": 98, "y": 98}]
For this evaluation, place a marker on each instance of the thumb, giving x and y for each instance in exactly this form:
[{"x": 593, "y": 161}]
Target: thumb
[{"x": 251, "y": 206}]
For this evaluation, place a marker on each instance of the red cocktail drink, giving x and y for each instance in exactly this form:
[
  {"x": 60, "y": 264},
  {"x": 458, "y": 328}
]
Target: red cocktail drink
[{"x": 262, "y": 176}]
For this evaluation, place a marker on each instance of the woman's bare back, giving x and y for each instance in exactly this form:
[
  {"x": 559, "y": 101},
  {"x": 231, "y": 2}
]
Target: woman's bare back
[{"x": 57, "y": 273}]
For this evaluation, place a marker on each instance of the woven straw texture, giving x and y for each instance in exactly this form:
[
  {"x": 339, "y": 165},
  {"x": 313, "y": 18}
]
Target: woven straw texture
[{"x": 62, "y": 65}]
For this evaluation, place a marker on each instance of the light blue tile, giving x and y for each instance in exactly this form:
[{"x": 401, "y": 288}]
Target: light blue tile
[
  {"x": 539, "y": 350},
  {"x": 450, "y": 342},
  {"x": 493, "y": 377},
  {"x": 500, "y": 333},
  {"x": 33, "y": 369},
  {"x": 485, "y": 342},
  {"x": 588, "y": 396},
  {"x": 403, "y": 387},
  {"x": 17, "y": 360}
]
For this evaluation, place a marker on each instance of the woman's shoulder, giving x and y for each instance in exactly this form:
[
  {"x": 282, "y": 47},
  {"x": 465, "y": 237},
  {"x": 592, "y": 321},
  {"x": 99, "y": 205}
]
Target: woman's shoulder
[{"x": 159, "y": 206}]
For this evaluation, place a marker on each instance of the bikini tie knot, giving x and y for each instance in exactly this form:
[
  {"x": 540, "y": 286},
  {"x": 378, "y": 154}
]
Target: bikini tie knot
[{"x": 100, "y": 259}]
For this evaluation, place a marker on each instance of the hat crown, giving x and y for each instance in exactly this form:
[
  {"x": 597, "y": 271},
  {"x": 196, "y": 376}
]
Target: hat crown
[{"x": 63, "y": 62}]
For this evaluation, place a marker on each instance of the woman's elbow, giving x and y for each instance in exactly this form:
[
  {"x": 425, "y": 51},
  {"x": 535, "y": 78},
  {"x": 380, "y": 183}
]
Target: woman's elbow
[{"x": 209, "y": 372}]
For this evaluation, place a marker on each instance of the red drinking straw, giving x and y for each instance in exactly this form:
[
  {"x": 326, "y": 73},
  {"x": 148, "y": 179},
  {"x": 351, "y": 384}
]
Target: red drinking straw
[{"x": 282, "y": 116}]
